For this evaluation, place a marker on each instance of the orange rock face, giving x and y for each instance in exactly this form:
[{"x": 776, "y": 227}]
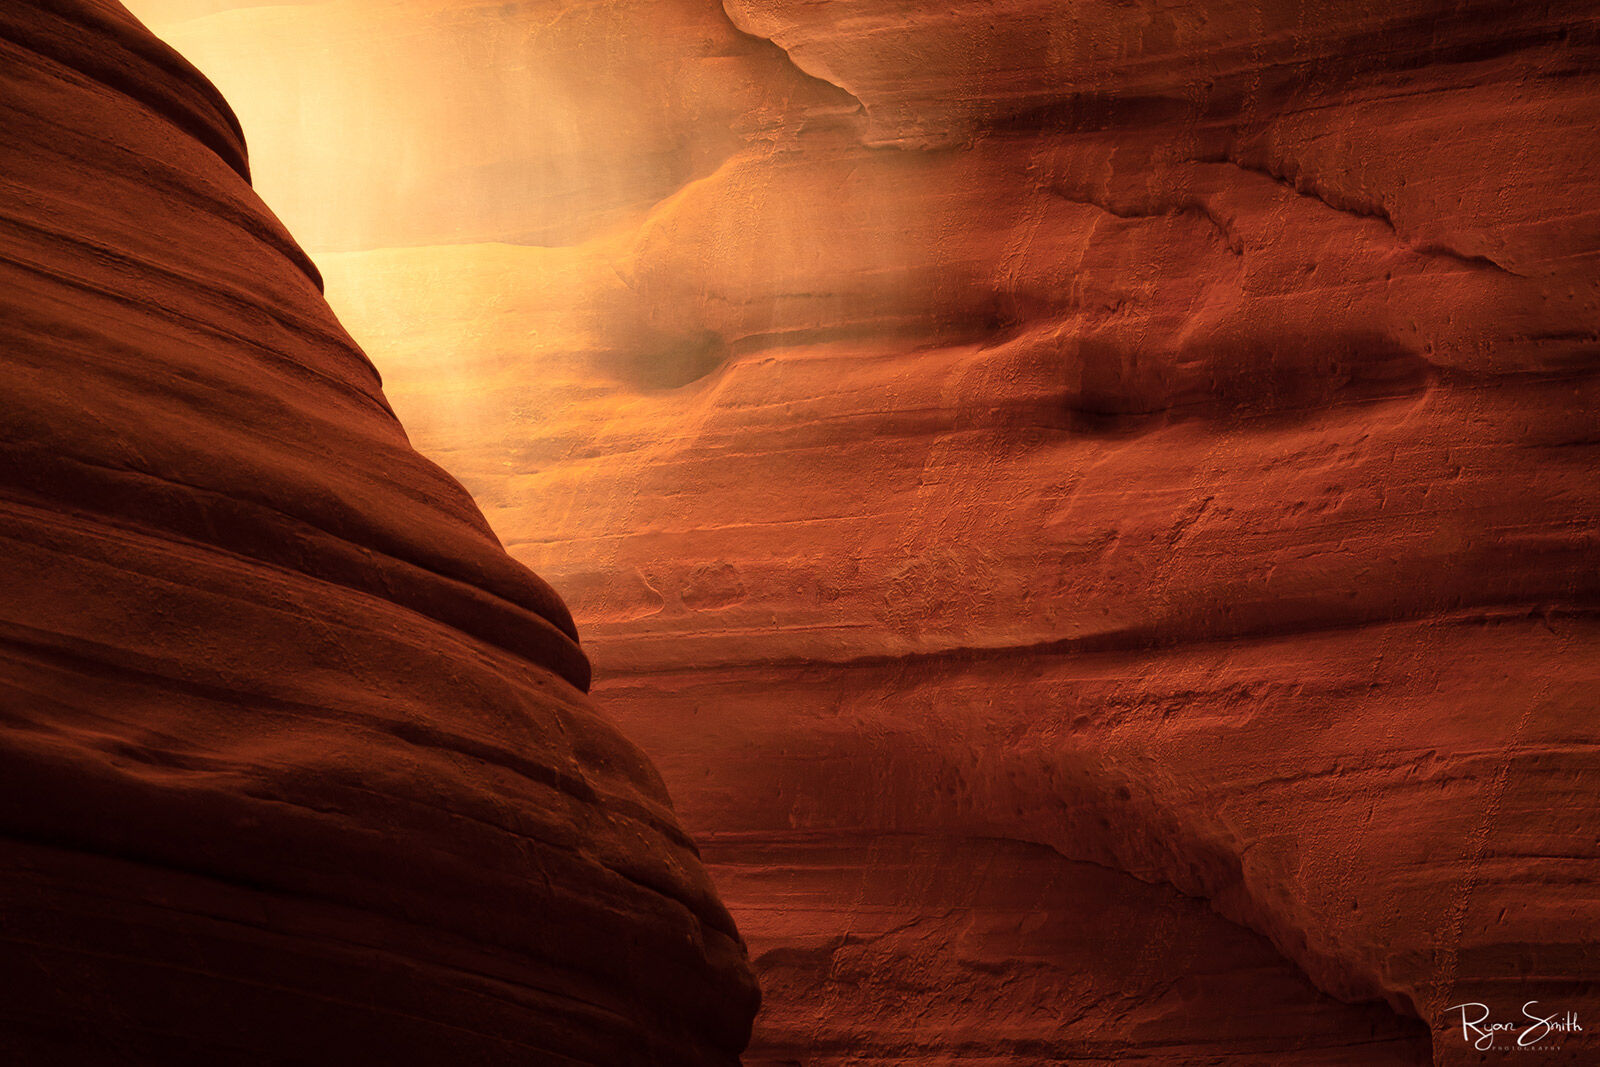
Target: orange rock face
[
  {"x": 296, "y": 764},
  {"x": 980, "y": 442}
]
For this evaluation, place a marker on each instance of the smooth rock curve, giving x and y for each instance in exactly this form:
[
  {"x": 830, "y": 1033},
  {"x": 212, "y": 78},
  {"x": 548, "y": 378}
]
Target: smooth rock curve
[{"x": 296, "y": 764}]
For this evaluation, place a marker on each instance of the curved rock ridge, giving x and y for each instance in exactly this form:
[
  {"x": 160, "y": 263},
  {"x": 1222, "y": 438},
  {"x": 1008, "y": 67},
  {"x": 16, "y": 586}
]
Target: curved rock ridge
[
  {"x": 1161, "y": 433},
  {"x": 932, "y": 948},
  {"x": 296, "y": 764}
]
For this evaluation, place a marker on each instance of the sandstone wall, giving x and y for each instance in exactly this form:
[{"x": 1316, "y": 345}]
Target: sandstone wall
[
  {"x": 296, "y": 764},
  {"x": 1161, "y": 433}
]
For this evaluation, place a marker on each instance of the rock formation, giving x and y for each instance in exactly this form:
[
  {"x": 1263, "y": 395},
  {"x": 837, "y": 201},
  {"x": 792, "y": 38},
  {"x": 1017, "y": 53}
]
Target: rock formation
[
  {"x": 1004, "y": 437},
  {"x": 296, "y": 764}
]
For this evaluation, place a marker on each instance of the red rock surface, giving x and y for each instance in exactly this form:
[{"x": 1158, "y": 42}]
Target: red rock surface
[
  {"x": 1162, "y": 434},
  {"x": 296, "y": 764}
]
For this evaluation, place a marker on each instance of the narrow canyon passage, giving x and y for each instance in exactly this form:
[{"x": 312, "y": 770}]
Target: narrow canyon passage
[{"x": 1092, "y": 509}]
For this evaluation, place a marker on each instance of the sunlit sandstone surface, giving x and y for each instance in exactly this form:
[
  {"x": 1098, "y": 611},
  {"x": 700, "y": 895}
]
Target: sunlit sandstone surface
[{"x": 1092, "y": 507}]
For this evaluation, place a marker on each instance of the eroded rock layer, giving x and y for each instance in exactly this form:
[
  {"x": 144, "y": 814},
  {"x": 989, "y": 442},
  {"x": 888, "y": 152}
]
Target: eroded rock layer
[
  {"x": 296, "y": 764},
  {"x": 1160, "y": 432},
  {"x": 992, "y": 951}
]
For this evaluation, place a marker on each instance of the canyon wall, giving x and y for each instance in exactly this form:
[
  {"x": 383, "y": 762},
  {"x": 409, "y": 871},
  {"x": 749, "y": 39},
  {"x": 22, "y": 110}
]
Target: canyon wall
[
  {"x": 296, "y": 764},
  {"x": 1022, "y": 469}
]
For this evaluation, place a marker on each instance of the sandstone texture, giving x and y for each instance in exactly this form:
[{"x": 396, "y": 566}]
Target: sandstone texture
[
  {"x": 297, "y": 766},
  {"x": 1022, "y": 469}
]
